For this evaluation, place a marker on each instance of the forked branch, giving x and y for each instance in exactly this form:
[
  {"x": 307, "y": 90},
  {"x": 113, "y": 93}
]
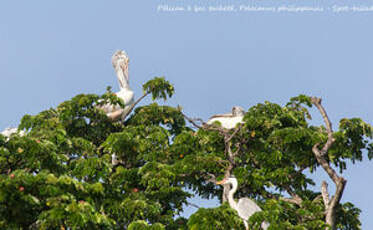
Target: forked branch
[{"x": 320, "y": 154}]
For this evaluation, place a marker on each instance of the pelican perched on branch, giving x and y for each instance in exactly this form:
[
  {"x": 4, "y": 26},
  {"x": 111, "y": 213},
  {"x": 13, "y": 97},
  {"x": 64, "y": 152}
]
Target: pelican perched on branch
[
  {"x": 229, "y": 120},
  {"x": 10, "y": 131},
  {"x": 245, "y": 206},
  {"x": 120, "y": 63}
]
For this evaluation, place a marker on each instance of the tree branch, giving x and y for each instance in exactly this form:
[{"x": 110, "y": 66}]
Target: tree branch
[
  {"x": 211, "y": 178},
  {"x": 192, "y": 121},
  {"x": 193, "y": 205},
  {"x": 290, "y": 200},
  {"x": 228, "y": 150},
  {"x": 120, "y": 112},
  {"x": 325, "y": 194},
  {"x": 295, "y": 198},
  {"x": 236, "y": 130},
  {"x": 317, "y": 102},
  {"x": 340, "y": 182},
  {"x": 134, "y": 104}
]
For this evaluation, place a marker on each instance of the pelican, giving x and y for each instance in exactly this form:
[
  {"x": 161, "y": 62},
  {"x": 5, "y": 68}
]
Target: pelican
[
  {"x": 245, "y": 206},
  {"x": 229, "y": 120},
  {"x": 120, "y": 62},
  {"x": 9, "y": 131}
]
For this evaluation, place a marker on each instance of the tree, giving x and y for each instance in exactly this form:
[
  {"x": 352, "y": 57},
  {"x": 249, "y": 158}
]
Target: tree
[{"x": 59, "y": 175}]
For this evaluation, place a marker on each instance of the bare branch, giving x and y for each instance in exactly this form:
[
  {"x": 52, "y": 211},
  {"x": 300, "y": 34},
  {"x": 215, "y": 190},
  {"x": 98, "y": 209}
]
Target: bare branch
[
  {"x": 193, "y": 121},
  {"x": 295, "y": 198},
  {"x": 324, "y": 164},
  {"x": 134, "y": 104},
  {"x": 214, "y": 127},
  {"x": 338, "y": 193},
  {"x": 236, "y": 130},
  {"x": 340, "y": 182},
  {"x": 228, "y": 150},
  {"x": 120, "y": 112},
  {"x": 292, "y": 200},
  {"x": 317, "y": 198},
  {"x": 317, "y": 102},
  {"x": 210, "y": 178},
  {"x": 238, "y": 148},
  {"x": 193, "y": 205},
  {"x": 325, "y": 194}
]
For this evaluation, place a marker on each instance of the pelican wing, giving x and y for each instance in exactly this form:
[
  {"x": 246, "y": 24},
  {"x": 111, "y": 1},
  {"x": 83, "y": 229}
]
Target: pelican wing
[
  {"x": 221, "y": 115},
  {"x": 9, "y": 131},
  {"x": 228, "y": 122}
]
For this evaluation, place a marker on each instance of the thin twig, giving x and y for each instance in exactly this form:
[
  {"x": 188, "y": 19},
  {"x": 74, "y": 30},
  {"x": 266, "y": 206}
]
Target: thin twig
[
  {"x": 210, "y": 178},
  {"x": 192, "y": 121},
  {"x": 290, "y": 200},
  {"x": 193, "y": 205},
  {"x": 236, "y": 130}
]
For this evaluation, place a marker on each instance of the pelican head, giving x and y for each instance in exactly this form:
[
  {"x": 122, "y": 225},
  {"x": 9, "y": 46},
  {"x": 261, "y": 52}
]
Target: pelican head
[
  {"x": 119, "y": 56},
  {"x": 238, "y": 111},
  {"x": 120, "y": 62}
]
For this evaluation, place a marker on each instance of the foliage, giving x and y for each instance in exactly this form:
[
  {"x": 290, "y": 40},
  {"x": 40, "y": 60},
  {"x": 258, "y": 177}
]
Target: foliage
[
  {"x": 59, "y": 175},
  {"x": 219, "y": 218},
  {"x": 159, "y": 88}
]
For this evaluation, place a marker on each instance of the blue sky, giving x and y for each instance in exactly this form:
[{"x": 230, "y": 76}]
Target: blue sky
[{"x": 53, "y": 50}]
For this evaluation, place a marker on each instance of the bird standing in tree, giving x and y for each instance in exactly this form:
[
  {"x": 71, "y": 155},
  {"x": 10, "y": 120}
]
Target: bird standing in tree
[
  {"x": 120, "y": 63},
  {"x": 7, "y": 132},
  {"x": 245, "y": 206},
  {"x": 228, "y": 120}
]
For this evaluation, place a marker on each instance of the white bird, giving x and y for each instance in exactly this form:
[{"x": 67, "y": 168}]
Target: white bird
[
  {"x": 245, "y": 206},
  {"x": 9, "y": 131},
  {"x": 229, "y": 120},
  {"x": 115, "y": 160},
  {"x": 120, "y": 62}
]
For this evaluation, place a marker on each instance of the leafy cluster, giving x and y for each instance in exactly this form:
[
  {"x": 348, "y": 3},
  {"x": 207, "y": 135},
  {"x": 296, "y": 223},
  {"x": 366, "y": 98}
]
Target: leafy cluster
[{"x": 60, "y": 175}]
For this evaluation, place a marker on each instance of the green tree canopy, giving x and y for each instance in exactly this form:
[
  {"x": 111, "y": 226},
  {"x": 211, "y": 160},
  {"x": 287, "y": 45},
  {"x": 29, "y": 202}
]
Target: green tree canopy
[{"x": 59, "y": 175}]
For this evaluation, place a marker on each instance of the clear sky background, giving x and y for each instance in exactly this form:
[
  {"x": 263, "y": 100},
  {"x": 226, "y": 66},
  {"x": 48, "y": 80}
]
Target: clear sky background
[{"x": 53, "y": 50}]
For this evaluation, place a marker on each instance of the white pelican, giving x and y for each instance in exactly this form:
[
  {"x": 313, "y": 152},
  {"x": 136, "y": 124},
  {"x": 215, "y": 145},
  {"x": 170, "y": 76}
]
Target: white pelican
[
  {"x": 9, "y": 131},
  {"x": 245, "y": 206},
  {"x": 229, "y": 120},
  {"x": 120, "y": 62}
]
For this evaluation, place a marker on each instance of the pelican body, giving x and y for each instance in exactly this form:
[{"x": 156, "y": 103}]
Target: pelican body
[
  {"x": 120, "y": 63},
  {"x": 229, "y": 120},
  {"x": 10, "y": 131}
]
